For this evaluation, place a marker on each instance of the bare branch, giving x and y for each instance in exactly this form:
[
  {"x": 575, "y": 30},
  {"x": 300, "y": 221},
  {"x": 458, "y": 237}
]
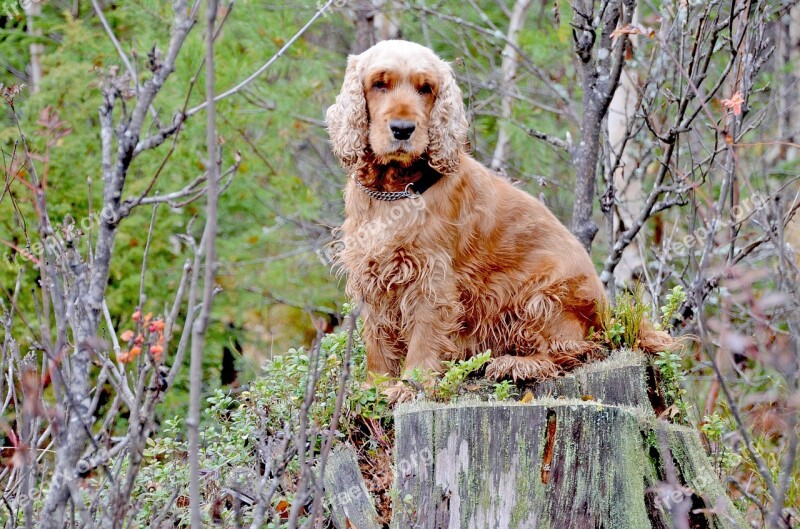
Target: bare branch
[
  {"x": 558, "y": 143},
  {"x": 266, "y": 65},
  {"x": 131, "y": 71},
  {"x": 209, "y": 248}
]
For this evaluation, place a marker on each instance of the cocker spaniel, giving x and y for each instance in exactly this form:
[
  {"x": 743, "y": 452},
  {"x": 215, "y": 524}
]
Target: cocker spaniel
[{"x": 448, "y": 258}]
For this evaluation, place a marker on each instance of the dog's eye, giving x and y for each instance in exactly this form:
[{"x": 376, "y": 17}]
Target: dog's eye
[
  {"x": 380, "y": 85},
  {"x": 425, "y": 89}
]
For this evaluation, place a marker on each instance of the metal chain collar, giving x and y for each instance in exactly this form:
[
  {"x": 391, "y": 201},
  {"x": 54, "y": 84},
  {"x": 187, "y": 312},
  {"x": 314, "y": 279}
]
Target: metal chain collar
[{"x": 387, "y": 196}]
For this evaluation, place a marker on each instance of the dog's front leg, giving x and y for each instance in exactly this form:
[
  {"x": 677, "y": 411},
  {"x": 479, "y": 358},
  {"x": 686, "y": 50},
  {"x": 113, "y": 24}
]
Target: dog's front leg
[
  {"x": 431, "y": 323},
  {"x": 384, "y": 353},
  {"x": 380, "y": 334}
]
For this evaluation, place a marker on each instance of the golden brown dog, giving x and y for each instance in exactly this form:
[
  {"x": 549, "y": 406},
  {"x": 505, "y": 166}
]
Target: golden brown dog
[{"x": 472, "y": 263}]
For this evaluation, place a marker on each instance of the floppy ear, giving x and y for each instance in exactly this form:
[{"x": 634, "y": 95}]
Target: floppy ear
[
  {"x": 347, "y": 118},
  {"x": 447, "y": 130}
]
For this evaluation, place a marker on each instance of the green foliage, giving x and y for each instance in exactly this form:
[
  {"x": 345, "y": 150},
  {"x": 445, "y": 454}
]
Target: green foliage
[
  {"x": 504, "y": 390},
  {"x": 613, "y": 333},
  {"x": 457, "y": 373},
  {"x": 284, "y": 382},
  {"x": 233, "y": 424},
  {"x": 672, "y": 379},
  {"x": 629, "y": 311},
  {"x": 449, "y": 384},
  {"x": 713, "y": 426},
  {"x": 620, "y": 323},
  {"x": 774, "y": 461},
  {"x": 674, "y": 300},
  {"x": 620, "y": 326},
  {"x": 670, "y": 364}
]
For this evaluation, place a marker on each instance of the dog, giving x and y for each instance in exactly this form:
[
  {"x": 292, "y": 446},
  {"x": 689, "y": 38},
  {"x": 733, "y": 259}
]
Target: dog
[{"x": 448, "y": 258}]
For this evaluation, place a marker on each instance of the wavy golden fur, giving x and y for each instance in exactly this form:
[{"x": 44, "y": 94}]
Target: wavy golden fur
[{"x": 472, "y": 264}]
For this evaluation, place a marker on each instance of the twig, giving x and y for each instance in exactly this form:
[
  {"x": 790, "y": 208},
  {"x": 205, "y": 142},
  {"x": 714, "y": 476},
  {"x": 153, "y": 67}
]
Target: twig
[
  {"x": 146, "y": 252},
  {"x": 552, "y": 140},
  {"x": 99, "y": 11},
  {"x": 110, "y": 327},
  {"x": 337, "y": 412},
  {"x": 266, "y": 65}
]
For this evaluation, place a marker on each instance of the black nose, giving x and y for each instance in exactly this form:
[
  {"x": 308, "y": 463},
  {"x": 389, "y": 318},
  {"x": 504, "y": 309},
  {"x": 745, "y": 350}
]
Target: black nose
[{"x": 402, "y": 129}]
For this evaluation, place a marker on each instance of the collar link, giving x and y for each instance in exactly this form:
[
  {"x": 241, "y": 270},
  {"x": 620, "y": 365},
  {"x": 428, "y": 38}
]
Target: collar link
[{"x": 388, "y": 196}]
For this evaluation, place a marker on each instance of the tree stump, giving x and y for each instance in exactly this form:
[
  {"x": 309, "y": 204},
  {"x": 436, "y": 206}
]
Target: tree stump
[
  {"x": 350, "y": 502},
  {"x": 589, "y": 452}
]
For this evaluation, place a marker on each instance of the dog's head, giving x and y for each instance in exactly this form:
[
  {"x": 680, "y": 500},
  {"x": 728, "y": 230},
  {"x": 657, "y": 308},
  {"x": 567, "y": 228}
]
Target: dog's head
[{"x": 399, "y": 101}]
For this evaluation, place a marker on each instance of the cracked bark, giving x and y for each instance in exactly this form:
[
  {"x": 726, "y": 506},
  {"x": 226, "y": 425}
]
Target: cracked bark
[{"x": 560, "y": 460}]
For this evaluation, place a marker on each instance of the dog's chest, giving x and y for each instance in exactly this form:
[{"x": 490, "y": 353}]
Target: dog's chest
[
  {"x": 387, "y": 258},
  {"x": 381, "y": 229},
  {"x": 389, "y": 270}
]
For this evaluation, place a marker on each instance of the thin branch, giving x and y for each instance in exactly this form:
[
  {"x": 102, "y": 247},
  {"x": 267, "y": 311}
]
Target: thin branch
[
  {"x": 548, "y": 138},
  {"x": 337, "y": 412},
  {"x": 200, "y": 325},
  {"x": 128, "y": 66},
  {"x": 266, "y": 65}
]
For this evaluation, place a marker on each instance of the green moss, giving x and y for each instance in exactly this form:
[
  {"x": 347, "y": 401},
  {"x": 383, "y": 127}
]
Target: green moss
[
  {"x": 494, "y": 454},
  {"x": 698, "y": 474}
]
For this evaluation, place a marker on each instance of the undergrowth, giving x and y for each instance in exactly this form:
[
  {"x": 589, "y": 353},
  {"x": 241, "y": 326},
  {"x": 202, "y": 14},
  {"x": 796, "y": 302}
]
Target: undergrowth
[
  {"x": 236, "y": 423},
  {"x": 619, "y": 329}
]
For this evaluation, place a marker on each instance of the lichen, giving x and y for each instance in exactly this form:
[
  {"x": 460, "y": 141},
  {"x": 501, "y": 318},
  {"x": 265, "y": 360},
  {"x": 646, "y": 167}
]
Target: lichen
[
  {"x": 698, "y": 474},
  {"x": 489, "y": 456},
  {"x": 616, "y": 360}
]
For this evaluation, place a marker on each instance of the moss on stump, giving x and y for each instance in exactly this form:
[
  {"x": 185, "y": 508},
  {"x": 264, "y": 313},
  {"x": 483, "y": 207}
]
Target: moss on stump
[{"x": 588, "y": 452}]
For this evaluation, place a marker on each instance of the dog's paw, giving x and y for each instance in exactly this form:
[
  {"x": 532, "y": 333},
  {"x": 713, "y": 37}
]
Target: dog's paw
[
  {"x": 519, "y": 368},
  {"x": 398, "y": 392},
  {"x": 573, "y": 353}
]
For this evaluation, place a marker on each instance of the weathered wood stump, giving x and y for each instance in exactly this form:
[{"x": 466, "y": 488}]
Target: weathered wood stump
[
  {"x": 588, "y": 453},
  {"x": 347, "y": 494}
]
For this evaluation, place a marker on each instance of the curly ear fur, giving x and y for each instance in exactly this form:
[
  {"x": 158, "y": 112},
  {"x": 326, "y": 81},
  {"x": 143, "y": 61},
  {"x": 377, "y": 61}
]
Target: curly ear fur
[
  {"x": 347, "y": 118},
  {"x": 447, "y": 130}
]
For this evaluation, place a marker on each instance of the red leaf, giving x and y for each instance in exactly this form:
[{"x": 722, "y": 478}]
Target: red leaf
[{"x": 734, "y": 103}]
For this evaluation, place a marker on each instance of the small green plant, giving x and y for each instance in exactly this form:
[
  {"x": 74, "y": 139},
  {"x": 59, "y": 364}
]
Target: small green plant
[
  {"x": 675, "y": 299},
  {"x": 615, "y": 333},
  {"x": 670, "y": 364},
  {"x": 369, "y": 403},
  {"x": 713, "y": 427},
  {"x": 629, "y": 312},
  {"x": 620, "y": 323},
  {"x": 652, "y": 440},
  {"x": 419, "y": 376},
  {"x": 672, "y": 378},
  {"x": 456, "y": 373},
  {"x": 504, "y": 390}
]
